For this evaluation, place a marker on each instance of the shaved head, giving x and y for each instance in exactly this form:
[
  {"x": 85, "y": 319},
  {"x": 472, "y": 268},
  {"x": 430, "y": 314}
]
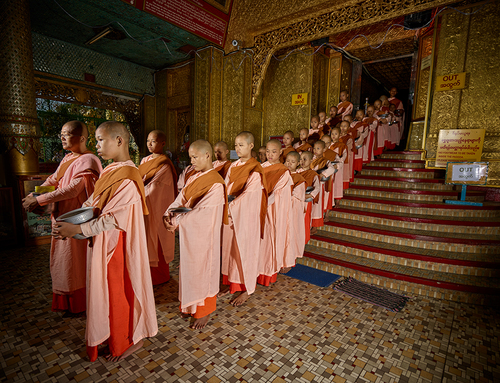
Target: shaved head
[
  {"x": 202, "y": 146},
  {"x": 116, "y": 129},
  {"x": 326, "y": 139},
  {"x": 289, "y": 132},
  {"x": 247, "y": 136},
  {"x": 294, "y": 155},
  {"x": 160, "y": 136},
  {"x": 320, "y": 143},
  {"x": 335, "y": 129},
  {"x": 77, "y": 128},
  {"x": 308, "y": 154},
  {"x": 222, "y": 145},
  {"x": 275, "y": 143}
]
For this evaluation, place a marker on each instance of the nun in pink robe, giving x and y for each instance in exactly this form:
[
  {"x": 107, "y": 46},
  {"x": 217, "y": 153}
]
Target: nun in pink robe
[
  {"x": 199, "y": 245},
  {"x": 160, "y": 193},
  {"x": 294, "y": 247},
  {"x": 118, "y": 230},
  {"x": 68, "y": 257},
  {"x": 241, "y": 237}
]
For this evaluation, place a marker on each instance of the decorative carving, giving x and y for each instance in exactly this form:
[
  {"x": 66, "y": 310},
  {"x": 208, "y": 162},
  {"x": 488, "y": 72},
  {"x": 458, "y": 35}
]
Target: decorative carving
[
  {"x": 233, "y": 92},
  {"x": 461, "y": 49},
  {"x": 334, "y": 80},
  {"x": 416, "y": 135},
  {"x": 19, "y": 128},
  {"x": 339, "y": 18},
  {"x": 59, "y": 91},
  {"x": 279, "y": 113}
]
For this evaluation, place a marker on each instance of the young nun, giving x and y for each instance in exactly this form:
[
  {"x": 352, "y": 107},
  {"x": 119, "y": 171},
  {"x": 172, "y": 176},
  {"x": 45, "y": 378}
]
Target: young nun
[{"x": 199, "y": 235}]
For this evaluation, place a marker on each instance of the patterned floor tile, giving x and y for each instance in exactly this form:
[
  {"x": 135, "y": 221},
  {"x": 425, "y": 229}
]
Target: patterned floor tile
[{"x": 289, "y": 332}]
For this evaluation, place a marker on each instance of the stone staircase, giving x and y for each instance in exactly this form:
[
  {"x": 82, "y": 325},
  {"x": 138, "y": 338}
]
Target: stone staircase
[{"x": 393, "y": 229}]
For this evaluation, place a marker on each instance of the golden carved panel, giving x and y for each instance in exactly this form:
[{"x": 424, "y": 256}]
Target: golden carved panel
[
  {"x": 346, "y": 75},
  {"x": 233, "y": 94},
  {"x": 416, "y": 136},
  {"x": 207, "y": 95},
  {"x": 252, "y": 123},
  {"x": 179, "y": 81},
  {"x": 462, "y": 42},
  {"x": 339, "y": 17},
  {"x": 287, "y": 77},
  {"x": 334, "y": 80}
]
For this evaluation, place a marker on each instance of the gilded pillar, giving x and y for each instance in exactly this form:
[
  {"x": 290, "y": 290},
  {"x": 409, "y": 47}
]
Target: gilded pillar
[
  {"x": 207, "y": 114},
  {"x": 19, "y": 127}
]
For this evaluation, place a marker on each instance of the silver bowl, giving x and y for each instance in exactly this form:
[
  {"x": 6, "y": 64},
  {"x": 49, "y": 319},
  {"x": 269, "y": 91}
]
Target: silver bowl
[{"x": 77, "y": 217}]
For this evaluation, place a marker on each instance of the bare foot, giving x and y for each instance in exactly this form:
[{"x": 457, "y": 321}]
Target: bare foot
[
  {"x": 326, "y": 219},
  {"x": 129, "y": 351},
  {"x": 200, "y": 323},
  {"x": 285, "y": 270},
  {"x": 223, "y": 292},
  {"x": 240, "y": 299},
  {"x": 314, "y": 230}
]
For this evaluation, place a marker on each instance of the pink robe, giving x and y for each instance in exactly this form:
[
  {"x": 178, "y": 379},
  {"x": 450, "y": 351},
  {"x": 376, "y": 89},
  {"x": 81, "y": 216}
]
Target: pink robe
[
  {"x": 344, "y": 111},
  {"x": 330, "y": 172},
  {"x": 160, "y": 193},
  {"x": 310, "y": 205},
  {"x": 369, "y": 141},
  {"x": 200, "y": 244},
  {"x": 383, "y": 137},
  {"x": 294, "y": 245},
  {"x": 240, "y": 239},
  {"x": 338, "y": 183},
  {"x": 182, "y": 177},
  {"x": 401, "y": 120},
  {"x": 272, "y": 246},
  {"x": 68, "y": 257},
  {"x": 123, "y": 214}
]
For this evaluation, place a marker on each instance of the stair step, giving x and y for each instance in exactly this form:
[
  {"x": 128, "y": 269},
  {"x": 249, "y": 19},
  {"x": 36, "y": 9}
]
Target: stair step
[
  {"x": 413, "y": 195},
  {"x": 470, "y": 283},
  {"x": 402, "y": 172},
  {"x": 437, "y": 224},
  {"x": 400, "y": 183},
  {"x": 403, "y": 283},
  {"x": 410, "y": 164},
  {"x": 368, "y": 247},
  {"x": 401, "y": 155},
  {"x": 417, "y": 238},
  {"x": 428, "y": 208}
]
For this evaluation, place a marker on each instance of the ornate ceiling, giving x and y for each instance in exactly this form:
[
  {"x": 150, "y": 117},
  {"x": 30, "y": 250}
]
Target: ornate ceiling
[{"x": 49, "y": 19}]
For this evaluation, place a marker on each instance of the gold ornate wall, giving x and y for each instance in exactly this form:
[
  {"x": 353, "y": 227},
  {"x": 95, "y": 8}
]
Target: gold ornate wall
[
  {"x": 173, "y": 99},
  {"x": 320, "y": 84},
  {"x": 334, "y": 74},
  {"x": 290, "y": 76},
  {"x": 469, "y": 44},
  {"x": 207, "y": 111}
]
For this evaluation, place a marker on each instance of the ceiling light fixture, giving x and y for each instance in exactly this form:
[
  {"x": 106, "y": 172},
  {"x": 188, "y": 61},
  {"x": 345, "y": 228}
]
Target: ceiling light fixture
[{"x": 100, "y": 35}]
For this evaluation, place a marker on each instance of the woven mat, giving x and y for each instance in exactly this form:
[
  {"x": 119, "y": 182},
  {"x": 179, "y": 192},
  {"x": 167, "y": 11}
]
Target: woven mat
[{"x": 372, "y": 294}]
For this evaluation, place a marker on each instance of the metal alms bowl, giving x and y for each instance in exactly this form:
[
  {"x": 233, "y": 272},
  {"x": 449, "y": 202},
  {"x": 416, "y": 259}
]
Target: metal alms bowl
[{"x": 77, "y": 217}]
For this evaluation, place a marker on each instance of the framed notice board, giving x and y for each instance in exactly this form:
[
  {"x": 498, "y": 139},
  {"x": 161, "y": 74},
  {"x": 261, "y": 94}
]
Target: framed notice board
[{"x": 37, "y": 228}]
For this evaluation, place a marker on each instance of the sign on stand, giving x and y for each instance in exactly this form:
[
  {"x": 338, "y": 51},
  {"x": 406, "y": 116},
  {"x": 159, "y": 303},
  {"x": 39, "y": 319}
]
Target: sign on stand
[{"x": 466, "y": 173}]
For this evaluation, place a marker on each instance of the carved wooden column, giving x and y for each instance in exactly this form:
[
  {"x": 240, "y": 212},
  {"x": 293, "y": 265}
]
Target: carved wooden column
[{"x": 19, "y": 127}]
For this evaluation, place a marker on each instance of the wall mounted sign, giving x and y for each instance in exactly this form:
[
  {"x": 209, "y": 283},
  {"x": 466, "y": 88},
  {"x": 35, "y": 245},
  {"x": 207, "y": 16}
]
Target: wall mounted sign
[
  {"x": 195, "y": 16},
  {"x": 451, "y": 81},
  {"x": 459, "y": 145},
  {"x": 471, "y": 173},
  {"x": 299, "y": 99},
  {"x": 279, "y": 138}
]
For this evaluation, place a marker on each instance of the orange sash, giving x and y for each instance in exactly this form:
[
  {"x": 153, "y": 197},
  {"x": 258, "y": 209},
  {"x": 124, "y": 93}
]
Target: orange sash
[
  {"x": 297, "y": 179},
  {"x": 319, "y": 163},
  {"x": 304, "y": 147},
  {"x": 107, "y": 185},
  {"x": 197, "y": 189},
  {"x": 340, "y": 145},
  {"x": 309, "y": 176},
  {"x": 62, "y": 168},
  {"x": 239, "y": 177},
  {"x": 345, "y": 139},
  {"x": 285, "y": 153},
  {"x": 330, "y": 155},
  {"x": 273, "y": 174},
  {"x": 342, "y": 107},
  {"x": 189, "y": 173},
  {"x": 222, "y": 169},
  {"x": 150, "y": 168}
]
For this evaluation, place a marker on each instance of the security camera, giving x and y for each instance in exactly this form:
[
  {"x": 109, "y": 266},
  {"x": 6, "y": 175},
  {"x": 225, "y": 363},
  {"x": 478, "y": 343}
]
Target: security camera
[{"x": 235, "y": 43}]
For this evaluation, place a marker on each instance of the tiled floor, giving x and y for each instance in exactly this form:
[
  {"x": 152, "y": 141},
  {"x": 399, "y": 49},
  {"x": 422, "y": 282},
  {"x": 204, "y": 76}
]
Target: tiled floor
[{"x": 292, "y": 331}]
